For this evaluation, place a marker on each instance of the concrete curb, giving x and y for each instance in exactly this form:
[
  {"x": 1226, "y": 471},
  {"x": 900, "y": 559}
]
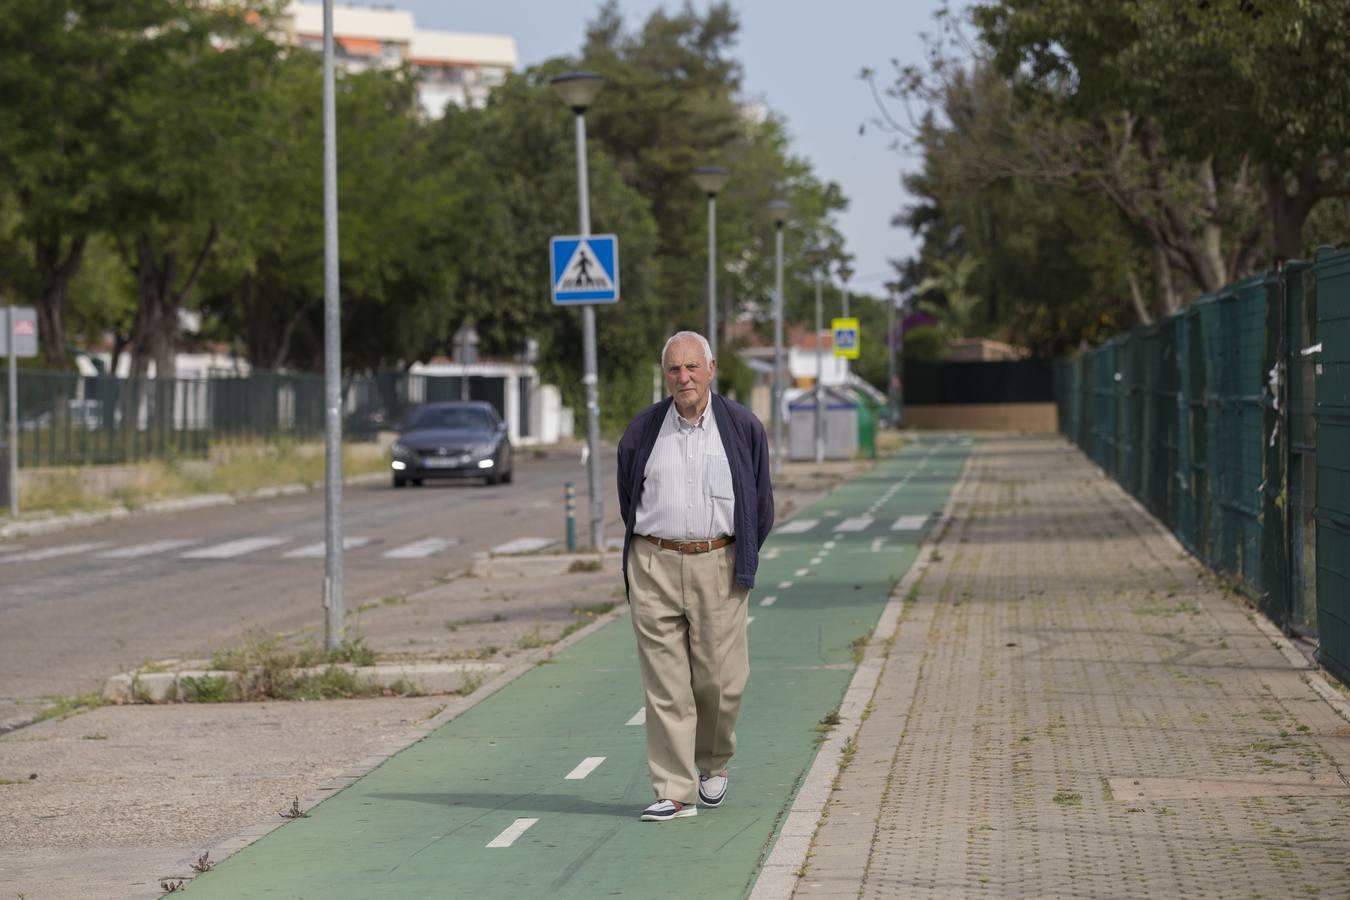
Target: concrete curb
[
  {"x": 425, "y": 678},
  {"x": 487, "y": 566},
  {"x": 53, "y": 524},
  {"x": 781, "y": 870},
  {"x": 238, "y": 841}
]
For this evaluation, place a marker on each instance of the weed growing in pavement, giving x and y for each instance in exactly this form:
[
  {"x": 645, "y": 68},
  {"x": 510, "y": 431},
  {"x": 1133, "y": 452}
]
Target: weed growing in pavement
[
  {"x": 203, "y": 863},
  {"x": 96, "y": 736},
  {"x": 471, "y": 684},
  {"x": 393, "y": 600},
  {"x": 169, "y": 886},
  {"x": 294, "y": 812},
  {"x": 858, "y": 647},
  {"x": 584, "y": 565},
  {"x": 4, "y": 782},
  {"x": 1068, "y": 798},
  {"x": 533, "y": 641},
  {"x": 67, "y": 706},
  {"x": 205, "y": 689},
  {"x": 846, "y": 755}
]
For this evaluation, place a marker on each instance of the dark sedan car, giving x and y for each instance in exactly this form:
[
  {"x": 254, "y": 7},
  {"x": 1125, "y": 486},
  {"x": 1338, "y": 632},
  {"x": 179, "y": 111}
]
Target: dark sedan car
[{"x": 452, "y": 440}]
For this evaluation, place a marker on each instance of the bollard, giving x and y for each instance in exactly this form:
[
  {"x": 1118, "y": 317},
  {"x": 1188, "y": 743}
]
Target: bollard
[{"x": 571, "y": 503}]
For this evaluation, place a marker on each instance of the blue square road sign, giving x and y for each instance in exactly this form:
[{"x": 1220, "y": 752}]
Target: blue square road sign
[{"x": 584, "y": 268}]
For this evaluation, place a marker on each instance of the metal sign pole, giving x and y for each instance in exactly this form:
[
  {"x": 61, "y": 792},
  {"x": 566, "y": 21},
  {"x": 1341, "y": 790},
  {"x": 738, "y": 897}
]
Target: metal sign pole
[
  {"x": 589, "y": 379},
  {"x": 712, "y": 280},
  {"x": 11, "y": 318},
  {"x": 335, "y": 612},
  {"x": 779, "y": 451}
]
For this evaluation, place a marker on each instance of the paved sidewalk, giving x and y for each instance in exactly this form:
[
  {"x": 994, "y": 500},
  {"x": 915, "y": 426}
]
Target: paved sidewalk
[{"x": 1073, "y": 708}]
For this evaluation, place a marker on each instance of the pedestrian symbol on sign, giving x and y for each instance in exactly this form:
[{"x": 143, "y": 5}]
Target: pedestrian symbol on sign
[{"x": 584, "y": 273}]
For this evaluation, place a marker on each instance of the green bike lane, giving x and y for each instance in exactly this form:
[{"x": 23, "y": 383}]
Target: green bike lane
[{"x": 536, "y": 791}]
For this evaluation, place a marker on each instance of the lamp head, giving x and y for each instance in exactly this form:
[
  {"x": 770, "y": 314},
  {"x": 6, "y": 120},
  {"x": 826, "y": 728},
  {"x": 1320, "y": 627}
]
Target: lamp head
[
  {"x": 820, "y": 255},
  {"x": 845, "y": 272},
  {"x": 577, "y": 89},
  {"x": 711, "y": 179},
  {"x": 777, "y": 211}
]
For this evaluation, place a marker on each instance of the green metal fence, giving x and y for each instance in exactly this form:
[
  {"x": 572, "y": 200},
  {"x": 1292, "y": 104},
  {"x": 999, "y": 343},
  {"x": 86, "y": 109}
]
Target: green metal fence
[
  {"x": 1230, "y": 421},
  {"x": 70, "y": 419}
]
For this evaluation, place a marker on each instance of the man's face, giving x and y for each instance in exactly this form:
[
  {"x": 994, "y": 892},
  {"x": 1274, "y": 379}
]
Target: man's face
[{"x": 688, "y": 376}]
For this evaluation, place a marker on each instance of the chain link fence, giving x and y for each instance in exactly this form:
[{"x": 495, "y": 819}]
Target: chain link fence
[{"x": 1230, "y": 421}]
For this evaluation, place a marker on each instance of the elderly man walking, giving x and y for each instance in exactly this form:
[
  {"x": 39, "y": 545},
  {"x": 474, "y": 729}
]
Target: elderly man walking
[{"x": 697, "y": 505}]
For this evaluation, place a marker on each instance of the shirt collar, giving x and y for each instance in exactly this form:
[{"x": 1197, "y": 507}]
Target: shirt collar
[{"x": 698, "y": 423}]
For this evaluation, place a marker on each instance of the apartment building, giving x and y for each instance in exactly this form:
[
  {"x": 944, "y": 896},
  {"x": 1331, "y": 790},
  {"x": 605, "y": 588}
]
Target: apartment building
[{"x": 451, "y": 67}]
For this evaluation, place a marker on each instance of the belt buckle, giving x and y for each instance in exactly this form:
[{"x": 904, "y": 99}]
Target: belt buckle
[{"x": 706, "y": 545}]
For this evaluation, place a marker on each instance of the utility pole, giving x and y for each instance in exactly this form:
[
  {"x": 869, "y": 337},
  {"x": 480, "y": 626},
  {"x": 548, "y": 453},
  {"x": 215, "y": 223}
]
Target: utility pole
[{"x": 332, "y": 352}]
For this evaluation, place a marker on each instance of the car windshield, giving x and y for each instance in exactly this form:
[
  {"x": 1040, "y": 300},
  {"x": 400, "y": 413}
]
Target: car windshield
[{"x": 450, "y": 418}]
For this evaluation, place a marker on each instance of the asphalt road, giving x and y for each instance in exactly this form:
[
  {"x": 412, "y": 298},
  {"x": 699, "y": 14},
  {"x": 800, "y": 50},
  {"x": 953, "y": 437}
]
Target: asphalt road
[{"x": 78, "y": 606}]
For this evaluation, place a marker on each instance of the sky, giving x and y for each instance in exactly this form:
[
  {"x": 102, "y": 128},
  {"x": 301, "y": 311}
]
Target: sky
[{"x": 800, "y": 59}]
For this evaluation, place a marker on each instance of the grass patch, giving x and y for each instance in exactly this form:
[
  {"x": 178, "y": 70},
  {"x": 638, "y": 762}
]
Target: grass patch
[
  {"x": 260, "y": 651},
  {"x": 206, "y": 689},
  {"x": 68, "y": 706},
  {"x": 586, "y": 615},
  {"x": 270, "y": 671},
  {"x": 534, "y": 640},
  {"x": 584, "y": 565},
  {"x": 1068, "y": 798},
  {"x": 857, "y": 648}
]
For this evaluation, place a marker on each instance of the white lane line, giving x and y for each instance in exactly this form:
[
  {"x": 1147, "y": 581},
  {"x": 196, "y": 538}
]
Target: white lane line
[
  {"x": 749, "y": 620},
  {"x": 771, "y": 553},
  {"x": 815, "y": 560},
  {"x": 310, "y": 551},
  {"x": 784, "y": 585},
  {"x": 830, "y": 545},
  {"x": 856, "y": 523},
  {"x": 801, "y": 573},
  {"x": 831, "y": 512},
  {"x": 418, "y": 549},
  {"x": 876, "y": 544},
  {"x": 136, "y": 551},
  {"x": 231, "y": 549},
  {"x": 639, "y": 717},
  {"x": 53, "y": 552},
  {"x": 798, "y": 526},
  {"x": 769, "y": 600},
  {"x": 523, "y": 545},
  {"x": 586, "y": 767},
  {"x": 909, "y": 523},
  {"x": 508, "y": 837}
]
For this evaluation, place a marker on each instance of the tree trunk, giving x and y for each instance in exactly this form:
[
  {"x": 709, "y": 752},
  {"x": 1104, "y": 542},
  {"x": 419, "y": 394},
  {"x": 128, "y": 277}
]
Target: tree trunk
[
  {"x": 1289, "y": 212},
  {"x": 56, "y": 268},
  {"x": 1137, "y": 298},
  {"x": 155, "y": 334}
]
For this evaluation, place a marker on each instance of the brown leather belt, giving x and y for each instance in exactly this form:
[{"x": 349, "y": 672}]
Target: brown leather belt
[{"x": 690, "y": 546}]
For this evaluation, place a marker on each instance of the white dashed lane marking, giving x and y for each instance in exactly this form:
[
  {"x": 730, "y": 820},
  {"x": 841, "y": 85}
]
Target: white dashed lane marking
[
  {"x": 749, "y": 620},
  {"x": 909, "y": 523},
  {"x": 54, "y": 552},
  {"x": 815, "y": 560},
  {"x": 830, "y": 545},
  {"x": 856, "y": 523},
  {"x": 876, "y": 544},
  {"x": 798, "y": 526},
  {"x": 784, "y": 585},
  {"x": 311, "y": 551},
  {"x": 136, "y": 551},
  {"x": 231, "y": 549},
  {"x": 418, "y": 549},
  {"x": 769, "y": 600},
  {"x": 639, "y": 717},
  {"x": 509, "y": 836},
  {"x": 800, "y": 573},
  {"x": 586, "y": 767}
]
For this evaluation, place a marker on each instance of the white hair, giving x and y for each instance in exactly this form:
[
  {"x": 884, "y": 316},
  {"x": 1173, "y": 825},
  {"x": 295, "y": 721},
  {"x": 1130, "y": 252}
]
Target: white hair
[{"x": 684, "y": 336}]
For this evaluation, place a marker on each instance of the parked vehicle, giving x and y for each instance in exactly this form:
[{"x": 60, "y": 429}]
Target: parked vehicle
[{"x": 452, "y": 440}]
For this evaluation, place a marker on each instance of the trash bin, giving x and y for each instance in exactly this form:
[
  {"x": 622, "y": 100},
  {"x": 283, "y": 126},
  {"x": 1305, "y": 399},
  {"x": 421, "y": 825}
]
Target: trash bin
[
  {"x": 867, "y": 426},
  {"x": 841, "y": 425}
]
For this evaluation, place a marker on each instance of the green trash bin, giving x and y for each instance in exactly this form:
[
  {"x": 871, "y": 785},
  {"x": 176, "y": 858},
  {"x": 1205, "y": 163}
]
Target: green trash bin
[{"x": 867, "y": 426}]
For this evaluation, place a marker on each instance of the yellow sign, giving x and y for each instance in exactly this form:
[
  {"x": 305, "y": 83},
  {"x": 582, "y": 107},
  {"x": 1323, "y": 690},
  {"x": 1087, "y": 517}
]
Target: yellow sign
[{"x": 846, "y": 337}]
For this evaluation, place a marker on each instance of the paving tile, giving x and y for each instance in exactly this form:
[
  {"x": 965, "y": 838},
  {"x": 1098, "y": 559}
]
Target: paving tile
[{"x": 1067, "y": 650}]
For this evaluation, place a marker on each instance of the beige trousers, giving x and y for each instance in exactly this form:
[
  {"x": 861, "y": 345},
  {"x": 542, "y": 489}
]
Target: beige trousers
[{"x": 689, "y": 616}]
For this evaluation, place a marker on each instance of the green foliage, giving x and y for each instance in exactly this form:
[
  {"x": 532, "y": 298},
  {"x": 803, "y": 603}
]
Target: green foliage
[{"x": 924, "y": 343}]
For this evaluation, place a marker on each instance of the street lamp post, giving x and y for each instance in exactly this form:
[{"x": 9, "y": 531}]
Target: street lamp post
[
  {"x": 845, "y": 273},
  {"x": 334, "y": 611},
  {"x": 890, "y": 349},
  {"x": 820, "y": 256},
  {"x": 578, "y": 90},
  {"x": 711, "y": 180},
  {"x": 777, "y": 210}
]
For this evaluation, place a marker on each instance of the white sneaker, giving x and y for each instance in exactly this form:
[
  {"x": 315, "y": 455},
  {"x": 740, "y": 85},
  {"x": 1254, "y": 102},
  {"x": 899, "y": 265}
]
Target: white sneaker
[
  {"x": 664, "y": 810},
  {"x": 712, "y": 789}
]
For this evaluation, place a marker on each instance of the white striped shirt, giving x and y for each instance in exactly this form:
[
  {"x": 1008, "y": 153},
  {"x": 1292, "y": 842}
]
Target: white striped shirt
[{"x": 687, "y": 493}]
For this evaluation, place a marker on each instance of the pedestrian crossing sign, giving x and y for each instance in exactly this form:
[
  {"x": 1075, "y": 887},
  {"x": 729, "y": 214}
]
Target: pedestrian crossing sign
[
  {"x": 845, "y": 337},
  {"x": 584, "y": 268}
]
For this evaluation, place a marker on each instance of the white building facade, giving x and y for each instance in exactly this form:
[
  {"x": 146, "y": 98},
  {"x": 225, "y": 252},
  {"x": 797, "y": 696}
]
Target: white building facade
[{"x": 451, "y": 67}]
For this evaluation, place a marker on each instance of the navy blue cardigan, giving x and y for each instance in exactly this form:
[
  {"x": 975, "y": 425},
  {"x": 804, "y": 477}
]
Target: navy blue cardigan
[{"x": 747, "y": 450}]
